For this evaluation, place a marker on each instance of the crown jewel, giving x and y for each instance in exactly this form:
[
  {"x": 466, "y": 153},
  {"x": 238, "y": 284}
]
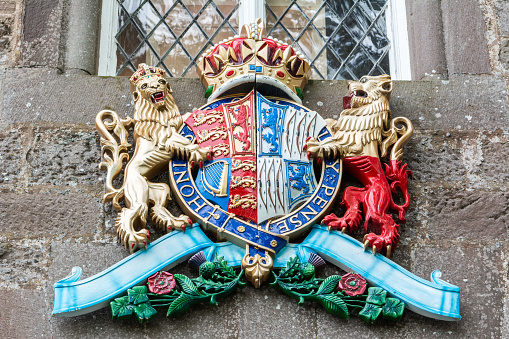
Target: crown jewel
[
  {"x": 145, "y": 71},
  {"x": 239, "y": 59}
]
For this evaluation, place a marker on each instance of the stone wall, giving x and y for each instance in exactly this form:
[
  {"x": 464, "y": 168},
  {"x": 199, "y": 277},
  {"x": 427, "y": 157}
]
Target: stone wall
[{"x": 52, "y": 218}]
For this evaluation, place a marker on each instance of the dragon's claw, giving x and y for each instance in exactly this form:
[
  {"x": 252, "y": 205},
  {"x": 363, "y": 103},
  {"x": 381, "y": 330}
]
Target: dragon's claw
[
  {"x": 349, "y": 222},
  {"x": 379, "y": 243}
]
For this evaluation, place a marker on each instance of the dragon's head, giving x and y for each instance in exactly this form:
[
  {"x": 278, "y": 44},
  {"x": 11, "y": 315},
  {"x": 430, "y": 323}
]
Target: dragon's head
[
  {"x": 149, "y": 85},
  {"x": 367, "y": 90}
]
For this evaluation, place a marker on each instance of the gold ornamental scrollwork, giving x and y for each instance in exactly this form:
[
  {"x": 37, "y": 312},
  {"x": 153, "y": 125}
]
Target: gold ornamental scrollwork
[{"x": 257, "y": 268}]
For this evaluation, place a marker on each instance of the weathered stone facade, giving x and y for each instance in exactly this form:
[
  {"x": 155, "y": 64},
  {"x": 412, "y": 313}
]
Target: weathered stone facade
[{"x": 52, "y": 218}]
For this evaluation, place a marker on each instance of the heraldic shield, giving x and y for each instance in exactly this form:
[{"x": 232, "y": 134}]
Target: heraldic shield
[{"x": 255, "y": 174}]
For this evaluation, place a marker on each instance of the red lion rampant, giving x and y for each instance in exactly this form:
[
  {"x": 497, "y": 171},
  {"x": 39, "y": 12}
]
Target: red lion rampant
[
  {"x": 241, "y": 116},
  {"x": 357, "y": 136}
]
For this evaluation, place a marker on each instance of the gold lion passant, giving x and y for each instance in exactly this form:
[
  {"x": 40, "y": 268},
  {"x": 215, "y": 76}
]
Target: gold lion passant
[{"x": 156, "y": 123}]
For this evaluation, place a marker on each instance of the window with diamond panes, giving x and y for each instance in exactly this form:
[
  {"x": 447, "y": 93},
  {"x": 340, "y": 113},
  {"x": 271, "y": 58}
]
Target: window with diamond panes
[
  {"x": 342, "y": 39},
  {"x": 171, "y": 34}
]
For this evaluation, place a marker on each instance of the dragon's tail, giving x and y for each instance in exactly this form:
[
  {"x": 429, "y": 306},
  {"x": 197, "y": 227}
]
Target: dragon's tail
[
  {"x": 398, "y": 176},
  {"x": 113, "y": 154}
]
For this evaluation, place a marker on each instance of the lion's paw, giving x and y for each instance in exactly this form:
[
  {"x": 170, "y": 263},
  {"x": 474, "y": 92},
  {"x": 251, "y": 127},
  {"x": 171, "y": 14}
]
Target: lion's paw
[
  {"x": 328, "y": 148},
  {"x": 198, "y": 155},
  {"x": 314, "y": 149},
  {"x": 134, "y": 240},
  {"x": 167, "y": 221}
]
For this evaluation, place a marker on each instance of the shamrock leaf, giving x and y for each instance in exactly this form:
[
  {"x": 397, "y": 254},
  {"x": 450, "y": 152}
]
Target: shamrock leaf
[
  {"x": 370, "y": 313},
  {"x": 144, "y": 311},
  {"x": 137, "y": 294},
  {"x": 121, "y": 309},
  {"x": 393, "y": 309},
  {"x": 376, "y": 295}
]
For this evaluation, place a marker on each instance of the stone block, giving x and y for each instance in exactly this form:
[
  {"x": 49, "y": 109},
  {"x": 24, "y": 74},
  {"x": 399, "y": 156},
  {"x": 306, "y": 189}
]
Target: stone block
[
  {"x": 24, "y": 314},
  {"x": 65, "y": 215},
  {"x": 66, "y": 156},
  {"x": 466, "y": 47},
  {"x": 467, "y": 159},
  {"x": 7, "y": 7},
  {"x": 269, "y": 313},
  {"x": 11, "y": 155},
  {"x": 425, "y": 36},
  {"x": 77, "y": 98},
  {"x": 474, "y": 215},
  {"x": 24, "y": 263},
  {"x": 42, "y": 30},
  {"x": 504, "y": 52},
  {"x": 6, "y": 28},
  {"x": 463, "y": 103},
  {"x": 502, "y": 7},
  {"x": 479, "y": 271}
]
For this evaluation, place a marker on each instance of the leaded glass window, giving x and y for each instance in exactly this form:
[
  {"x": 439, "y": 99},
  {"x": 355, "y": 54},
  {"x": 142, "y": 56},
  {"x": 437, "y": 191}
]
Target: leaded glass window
[
  {"x": 342, "y": 39},
  {"x": 170, "y": 34}
]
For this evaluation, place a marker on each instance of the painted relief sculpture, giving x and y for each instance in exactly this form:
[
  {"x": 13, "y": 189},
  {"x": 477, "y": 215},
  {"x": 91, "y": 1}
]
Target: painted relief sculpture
[
  {"x": 156, "y": 124},
  {"x": 358, "y": 135},
  {"x": 269, "y": 174}
]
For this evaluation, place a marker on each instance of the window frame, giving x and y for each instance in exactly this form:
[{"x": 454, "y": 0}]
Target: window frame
[{"x": 396, "y": 21}]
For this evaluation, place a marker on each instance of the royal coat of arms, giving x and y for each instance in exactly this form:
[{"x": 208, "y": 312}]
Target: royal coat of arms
[{"x": 259, "y": 173}]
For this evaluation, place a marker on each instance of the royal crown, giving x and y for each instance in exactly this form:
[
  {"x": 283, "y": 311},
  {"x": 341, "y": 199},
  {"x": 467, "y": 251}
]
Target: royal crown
[
  {"x": 145, "y": 71},
  {"x": 241, "y": 58}
]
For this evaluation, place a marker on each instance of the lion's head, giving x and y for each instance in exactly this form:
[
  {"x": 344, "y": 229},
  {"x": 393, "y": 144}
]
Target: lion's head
[
  {"x": 149, "y": 85},
  {"x": 155, "y": 113},
  {"x": 368, "y": 90}
]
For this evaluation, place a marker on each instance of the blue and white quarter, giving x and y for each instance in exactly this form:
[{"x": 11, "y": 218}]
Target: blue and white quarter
[{"x": 285, "y": 175}]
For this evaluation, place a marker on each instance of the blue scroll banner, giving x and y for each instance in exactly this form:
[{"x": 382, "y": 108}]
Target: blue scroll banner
[{"x": 436, "y": 299}]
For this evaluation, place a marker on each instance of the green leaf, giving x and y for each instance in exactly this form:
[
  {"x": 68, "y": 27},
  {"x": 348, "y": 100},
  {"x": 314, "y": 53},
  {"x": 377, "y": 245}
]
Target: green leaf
[
  {"x": 228, "y": 288},
  {"x": 120, "y": 308},
  {"x": 182, "y": 304},
  {"x": 303, "y": 287},
  {"x": 209, "y": 91},
  {"x": 376, "y": 296},
  {"x": 207, "y": 285},
  {"x": 333, "y": 304},
  {"x": 223, "y": 268},
  {"x": 393, "y": 309},
  {"x": 187, "y": 284},
  {"x": 329, "y": 285},
  {"x": 291, "y": 266},
  {"x": 137, "y": 294},
  {"x": 370, "y": 313},
  {"x": 144, "y": 311}
]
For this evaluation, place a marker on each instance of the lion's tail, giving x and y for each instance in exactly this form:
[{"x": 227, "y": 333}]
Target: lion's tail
[
  {"x": 113, "y": 154},
  {"x": 397, "y": 136}
]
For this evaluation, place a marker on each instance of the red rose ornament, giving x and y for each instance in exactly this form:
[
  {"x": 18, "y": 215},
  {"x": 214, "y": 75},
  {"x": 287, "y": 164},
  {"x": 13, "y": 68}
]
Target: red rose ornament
[
  {"x": 352, "y": 284},
  {"x": 161, "y": 283}
]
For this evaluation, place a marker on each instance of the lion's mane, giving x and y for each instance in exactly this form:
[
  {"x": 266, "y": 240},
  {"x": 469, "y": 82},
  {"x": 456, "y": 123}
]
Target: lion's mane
[
  {"x": 156, "y": 125},
  {"x": 357, "y": 127}
]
